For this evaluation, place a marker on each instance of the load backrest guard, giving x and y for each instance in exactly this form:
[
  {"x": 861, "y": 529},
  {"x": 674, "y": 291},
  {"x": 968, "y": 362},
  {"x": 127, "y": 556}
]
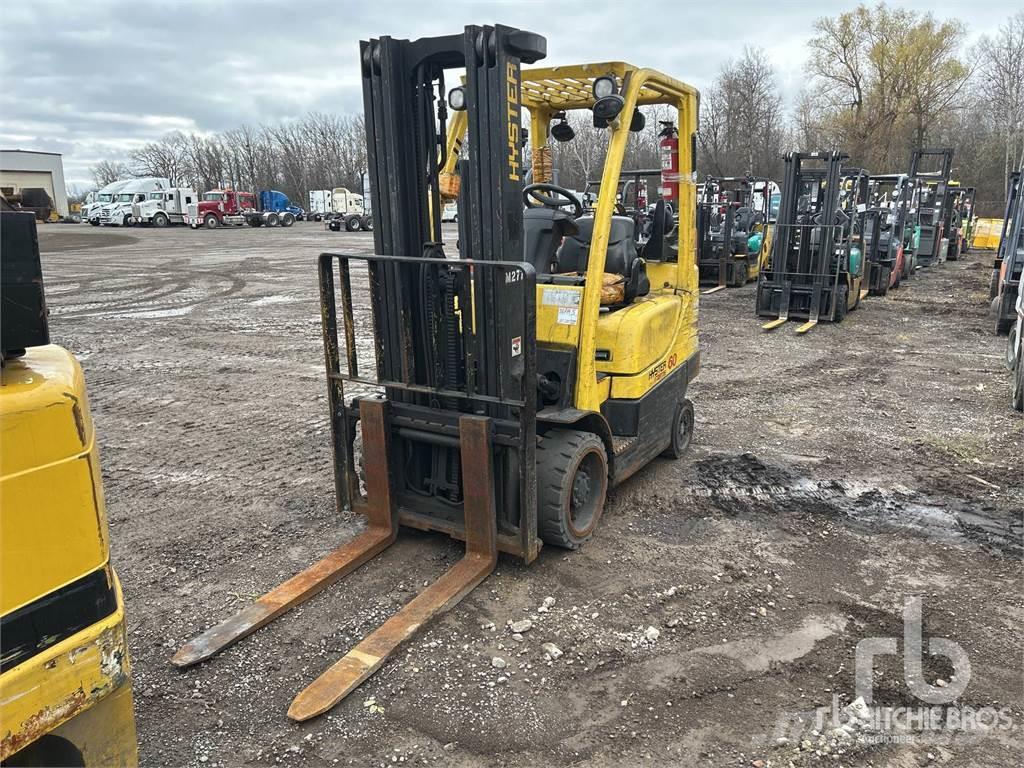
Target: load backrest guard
[{"x": 451, "y": 336}]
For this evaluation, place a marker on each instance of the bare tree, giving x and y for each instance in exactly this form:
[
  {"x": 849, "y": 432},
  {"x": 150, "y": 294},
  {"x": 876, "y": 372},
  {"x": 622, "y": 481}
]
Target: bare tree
[
  {"x": 742, "y": 123},
  {"x": 166, "y": 158},
  {"x": 108, "y": 171},
  {"x": 1002, "y": 70}
]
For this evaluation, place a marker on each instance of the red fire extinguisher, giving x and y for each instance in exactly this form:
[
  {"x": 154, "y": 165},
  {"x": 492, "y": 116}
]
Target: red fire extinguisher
[{"x": 668, "y": 151}]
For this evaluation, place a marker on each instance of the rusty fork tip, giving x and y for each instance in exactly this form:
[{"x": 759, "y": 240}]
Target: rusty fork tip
[
  {"x": 186, "y": 657},
  {"x": 300, "y": 711}
]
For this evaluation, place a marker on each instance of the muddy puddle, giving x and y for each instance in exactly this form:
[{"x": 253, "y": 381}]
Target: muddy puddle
[{"x": 744, "y": 486}]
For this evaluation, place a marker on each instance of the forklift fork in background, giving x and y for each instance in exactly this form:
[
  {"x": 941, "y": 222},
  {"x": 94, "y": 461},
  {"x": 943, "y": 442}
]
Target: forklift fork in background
[{"x": 783, "y": 309}]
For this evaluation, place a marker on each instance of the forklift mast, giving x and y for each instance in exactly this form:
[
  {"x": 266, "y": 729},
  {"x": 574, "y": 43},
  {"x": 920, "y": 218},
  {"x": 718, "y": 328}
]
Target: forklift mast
[{"x": 810, "y": 256}]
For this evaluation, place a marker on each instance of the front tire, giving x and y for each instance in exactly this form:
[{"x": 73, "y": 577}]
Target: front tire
[
  {"x": 210, "y": 221},
  {"x": 161, "y": 220},
  {"x": 127, "y": 220},
  {"x": 1018, "y": 383},
  {"x": 741, "y": 273},
  {"x": 572, "y": 482},
  {"x": 682, "y": 431}
]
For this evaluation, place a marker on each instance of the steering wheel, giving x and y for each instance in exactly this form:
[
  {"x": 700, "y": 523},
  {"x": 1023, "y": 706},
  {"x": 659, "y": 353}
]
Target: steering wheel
[{"x": 549, "y": 196}]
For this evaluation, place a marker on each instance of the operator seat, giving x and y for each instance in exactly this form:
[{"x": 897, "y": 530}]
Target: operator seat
[
  {"x": 622, "y": 257},
  {"x": 543, "y": 231}
]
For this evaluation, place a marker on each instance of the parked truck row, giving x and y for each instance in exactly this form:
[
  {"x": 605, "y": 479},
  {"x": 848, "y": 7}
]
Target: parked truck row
[{"x": 153, "y": 201}]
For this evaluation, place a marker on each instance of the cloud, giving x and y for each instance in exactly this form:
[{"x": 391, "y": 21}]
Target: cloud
[{"x": 94, "y": 80}]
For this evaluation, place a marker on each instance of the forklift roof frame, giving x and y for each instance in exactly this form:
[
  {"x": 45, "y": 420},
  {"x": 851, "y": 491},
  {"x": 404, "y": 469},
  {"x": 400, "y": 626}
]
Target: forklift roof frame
[{"x": 548, "y": 90}]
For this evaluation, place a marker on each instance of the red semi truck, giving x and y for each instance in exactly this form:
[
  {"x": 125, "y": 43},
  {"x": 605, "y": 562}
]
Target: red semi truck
[{"x": 224, "y": 207}]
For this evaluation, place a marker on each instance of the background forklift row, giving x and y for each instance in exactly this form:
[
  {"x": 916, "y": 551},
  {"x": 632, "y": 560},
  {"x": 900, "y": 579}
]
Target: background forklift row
[{"x": 521, "y": 373}]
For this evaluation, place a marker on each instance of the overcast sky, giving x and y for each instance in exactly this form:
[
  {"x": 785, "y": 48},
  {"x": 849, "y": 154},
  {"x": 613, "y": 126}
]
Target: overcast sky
[{"x": 93, "y": 79}]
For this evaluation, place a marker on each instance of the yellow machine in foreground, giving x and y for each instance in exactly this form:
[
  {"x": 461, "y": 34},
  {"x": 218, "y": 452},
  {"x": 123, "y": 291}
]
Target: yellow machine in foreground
[{"x": 65, "y": 683}]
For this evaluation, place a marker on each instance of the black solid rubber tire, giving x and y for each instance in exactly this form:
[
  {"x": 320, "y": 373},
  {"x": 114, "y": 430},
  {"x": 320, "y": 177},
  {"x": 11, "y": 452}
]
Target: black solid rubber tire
[
  {"x": 1018, "y": 383},
  {"x": 741, "y": 271},
  {"x": 682, "y": 431},
  {"x": 842, "y": 297},
  {"x": 559, "y": 455},
  {"x": 886, "y": 275},
  {"x": 993, "y": 284}
]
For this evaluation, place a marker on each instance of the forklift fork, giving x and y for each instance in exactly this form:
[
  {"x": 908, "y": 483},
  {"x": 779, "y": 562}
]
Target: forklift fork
[
  {"x": 380, "y": 533},
  {"x": 457, "y": 582},
  {"x": 723, "y": 271},
  {"x": 783, "y": 309},
  {"x": 815, "y": 309}
]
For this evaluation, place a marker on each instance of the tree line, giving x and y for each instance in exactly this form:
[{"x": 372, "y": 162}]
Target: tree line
[{"x": 880, "y": 82}]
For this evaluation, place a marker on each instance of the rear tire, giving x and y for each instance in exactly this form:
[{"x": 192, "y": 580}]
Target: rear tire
[
  {"x": 366, "y": 223},
  {"x": 572, "y": 481},
  {"x": 682, "y": 431},
  {"x": 287, "y": 220},
  {"x": 352, "y": 224},
  {"x": 272, "y": 220}
]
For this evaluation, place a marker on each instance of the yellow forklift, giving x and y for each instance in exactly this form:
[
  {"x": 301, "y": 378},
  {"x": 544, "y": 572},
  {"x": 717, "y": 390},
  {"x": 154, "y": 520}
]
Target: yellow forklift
[
  {"x": 526, "y": 369},
  {"x": 733, "y": 233},
  {"x": 65, "y": 678}
]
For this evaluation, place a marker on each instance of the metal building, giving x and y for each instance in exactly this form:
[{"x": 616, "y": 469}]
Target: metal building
[{"x": 23, "y": 169}]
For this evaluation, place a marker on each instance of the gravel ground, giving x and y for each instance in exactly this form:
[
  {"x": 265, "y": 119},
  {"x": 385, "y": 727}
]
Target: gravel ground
[{"x": 833, "y": 476}]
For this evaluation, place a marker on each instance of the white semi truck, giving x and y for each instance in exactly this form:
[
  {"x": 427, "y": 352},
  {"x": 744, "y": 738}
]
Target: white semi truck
[
  {"x": 118, "y": 212},
  {"x": 340, "y": 208},
  {"x": 166, "y": 206},
  {"x": 91, "y": 208}
]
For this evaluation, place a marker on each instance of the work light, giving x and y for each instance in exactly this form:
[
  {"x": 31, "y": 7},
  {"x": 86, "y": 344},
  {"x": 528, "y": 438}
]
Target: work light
[
  {"x": 457, "y": 98},
  {"x": 562, "y": 131},
  {"x": 604, "y": 86}
]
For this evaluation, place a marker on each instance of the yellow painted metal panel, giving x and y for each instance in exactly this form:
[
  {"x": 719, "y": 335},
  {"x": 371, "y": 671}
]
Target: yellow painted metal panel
[
  {"x": 65, "y": 681},
  {"x": 53, "y": 527}
]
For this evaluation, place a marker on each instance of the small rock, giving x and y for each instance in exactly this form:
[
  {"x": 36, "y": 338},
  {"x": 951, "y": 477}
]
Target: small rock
[
  {"x": 203, "y": 758},
  {"x": 941, "y": 683},
  {"x": 517, "y": 638},
  {"x": 762, "y": 611},
  {"x": 652, "y": 634},
  {"x": 518, "y": 627},
  {"x": 757, "y": 763},
  {"x": 498, "y": 663},
  {"x": 546, "y": 605},
  {"x": 502, "y": 679},
  {"x": 782, "y": 741},
  {"x": 551, "y": 650},
  {"x": 449, "y": 746}
]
